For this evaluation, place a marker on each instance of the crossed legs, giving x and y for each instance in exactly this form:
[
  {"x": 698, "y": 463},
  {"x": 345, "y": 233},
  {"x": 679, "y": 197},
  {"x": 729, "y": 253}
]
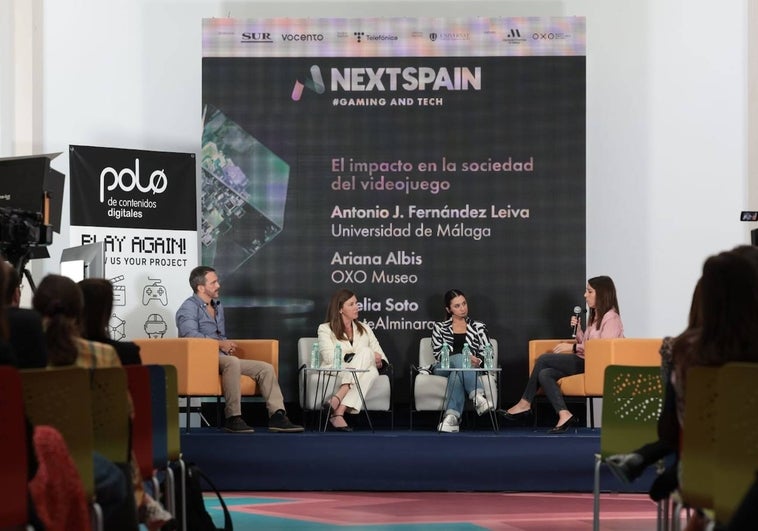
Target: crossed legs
[{"x": 548, "y": 369}]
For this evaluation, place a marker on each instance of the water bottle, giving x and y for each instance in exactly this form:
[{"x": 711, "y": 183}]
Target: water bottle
[
  {"x": 489, "y": 356},
  {"x": 445, "y": 356},
  {"x": 466, "y": 356},
  {"x": 338, "y": 356},
  {"x": 315, "y": 356}
]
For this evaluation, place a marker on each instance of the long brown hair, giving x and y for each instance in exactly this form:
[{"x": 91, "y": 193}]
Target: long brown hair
[
  {"x": 729, "y": 330},
  {"x": 605, "y": 300},
  {"x": 98, "y": 306},
  {"x": 59, "y": 300},
  {"x": 334, "y": 318}
]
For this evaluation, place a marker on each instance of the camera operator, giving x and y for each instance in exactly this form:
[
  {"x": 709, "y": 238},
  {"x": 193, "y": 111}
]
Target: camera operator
[{"x": 24, "y": 325}]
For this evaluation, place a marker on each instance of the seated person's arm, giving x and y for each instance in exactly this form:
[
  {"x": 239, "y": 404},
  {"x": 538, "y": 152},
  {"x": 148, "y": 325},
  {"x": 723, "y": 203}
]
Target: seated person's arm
[
  {"x": 611, "y": 327},
  {"x": 379, "y": 357},
  {"x": 188, "y": 325},
  {"x": 437, "y": 341},
  {"x": 326, "y": 345},
  {"x": 578, "y": 346}
]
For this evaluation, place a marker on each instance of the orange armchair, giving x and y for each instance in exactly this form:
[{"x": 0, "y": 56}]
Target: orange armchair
[
  {"x": 599, "y": 354},
  {"x": 196, "y": 362}
]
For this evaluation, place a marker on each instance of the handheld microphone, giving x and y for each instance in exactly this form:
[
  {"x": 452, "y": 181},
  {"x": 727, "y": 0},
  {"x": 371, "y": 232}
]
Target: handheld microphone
[{"x": 577, "y": 311}]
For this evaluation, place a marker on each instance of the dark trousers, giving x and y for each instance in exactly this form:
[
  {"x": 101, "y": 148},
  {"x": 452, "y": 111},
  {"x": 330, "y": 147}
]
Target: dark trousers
[
  {"x": 114, "y": 493},
  {"x": 548, "y": 369}
]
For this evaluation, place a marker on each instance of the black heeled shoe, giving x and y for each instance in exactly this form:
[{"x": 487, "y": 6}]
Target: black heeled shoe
[
  {"x": 514, "y": 417},
  {"x": 326, "y": 407},
  {"x": 563, "y": 428},
  {"x": 338, "y": 428}
]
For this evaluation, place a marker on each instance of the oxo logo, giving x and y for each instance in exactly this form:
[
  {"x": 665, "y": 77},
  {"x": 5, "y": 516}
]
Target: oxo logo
[{"x": 128, "y": 179}]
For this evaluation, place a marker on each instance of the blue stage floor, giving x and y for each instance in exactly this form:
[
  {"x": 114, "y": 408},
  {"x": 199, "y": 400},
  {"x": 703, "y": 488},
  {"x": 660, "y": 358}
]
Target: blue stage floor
[{"x": 510, "y": 460}]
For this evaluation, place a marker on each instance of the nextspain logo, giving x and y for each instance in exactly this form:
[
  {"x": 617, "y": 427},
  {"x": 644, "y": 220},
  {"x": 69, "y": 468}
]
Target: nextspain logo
[{"x": 313, "y": 81}]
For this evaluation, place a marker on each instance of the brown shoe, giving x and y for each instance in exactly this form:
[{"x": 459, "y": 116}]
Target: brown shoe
[
  {"x": 280, "y": 423},
  {"x": 236, "y": 424}
]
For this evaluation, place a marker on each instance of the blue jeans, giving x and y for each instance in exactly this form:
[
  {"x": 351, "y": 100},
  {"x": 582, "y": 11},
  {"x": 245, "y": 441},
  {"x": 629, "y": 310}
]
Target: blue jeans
[{"x": 463, "y": 384}]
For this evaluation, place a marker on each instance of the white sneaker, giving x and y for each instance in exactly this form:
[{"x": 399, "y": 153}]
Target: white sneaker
[
  {"x": 482, "y": 404},
  {"x": 449, "y": 424}
]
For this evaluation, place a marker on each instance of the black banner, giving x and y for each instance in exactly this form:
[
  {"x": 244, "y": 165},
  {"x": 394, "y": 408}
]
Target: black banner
[{"x": 129, "y": 188}]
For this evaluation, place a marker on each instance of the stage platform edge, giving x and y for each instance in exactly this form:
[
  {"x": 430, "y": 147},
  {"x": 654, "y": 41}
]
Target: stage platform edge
[{"x": 510, "y": 460}]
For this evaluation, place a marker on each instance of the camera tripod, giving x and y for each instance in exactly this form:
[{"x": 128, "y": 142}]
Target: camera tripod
[{"x": 18, "y": 258}]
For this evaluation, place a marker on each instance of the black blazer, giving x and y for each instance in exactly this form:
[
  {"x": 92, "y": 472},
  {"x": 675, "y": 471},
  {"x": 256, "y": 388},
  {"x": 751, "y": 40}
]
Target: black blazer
[
  {"x": 27, "y": 337},
  {"x": 127, "y": 351}
]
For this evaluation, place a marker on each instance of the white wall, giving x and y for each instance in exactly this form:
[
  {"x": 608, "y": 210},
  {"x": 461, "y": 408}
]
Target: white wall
[{"x": 666, "y": 116}]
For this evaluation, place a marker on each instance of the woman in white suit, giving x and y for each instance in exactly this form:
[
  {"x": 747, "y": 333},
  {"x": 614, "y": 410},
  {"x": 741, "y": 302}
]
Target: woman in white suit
[{"x": 360, "y": 350}]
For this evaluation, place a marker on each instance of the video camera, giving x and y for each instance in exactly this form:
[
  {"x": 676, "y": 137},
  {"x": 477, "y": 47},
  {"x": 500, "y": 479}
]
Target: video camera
[
  {"x": 31, "y": 197},
  {"x": 22, "y": 229}
]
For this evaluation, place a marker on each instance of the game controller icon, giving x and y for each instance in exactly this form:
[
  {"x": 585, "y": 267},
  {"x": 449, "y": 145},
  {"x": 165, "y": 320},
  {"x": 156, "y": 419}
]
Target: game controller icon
[
  {"x": 155, "y": 326},
  {"x": 154, "y": 292}
]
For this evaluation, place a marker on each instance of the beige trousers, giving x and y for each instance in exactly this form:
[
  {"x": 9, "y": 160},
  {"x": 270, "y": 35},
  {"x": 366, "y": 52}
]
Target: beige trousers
[{"x": 230, "y": 369}]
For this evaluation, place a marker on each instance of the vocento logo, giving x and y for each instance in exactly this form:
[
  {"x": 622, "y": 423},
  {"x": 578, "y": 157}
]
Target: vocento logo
[
  {"x": 303, "y": 37},
  {"x": 313, "y": 82},
  {"x": 127, "y": 179}
]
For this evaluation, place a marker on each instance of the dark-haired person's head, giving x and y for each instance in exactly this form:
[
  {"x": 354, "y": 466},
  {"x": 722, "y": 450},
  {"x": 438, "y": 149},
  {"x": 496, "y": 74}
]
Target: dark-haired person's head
[
  {"x": 59, "y": 300},
  {"x": 197, "y": 276},
  {"x": 98, "y": 306},
  {"x": 449, "y": 296},
  {"x": 729, "y": 331},
  {"x": 334, "y": 313},
  {"x": 335, "y": 304},
  {"x": 749, "y": 253}
]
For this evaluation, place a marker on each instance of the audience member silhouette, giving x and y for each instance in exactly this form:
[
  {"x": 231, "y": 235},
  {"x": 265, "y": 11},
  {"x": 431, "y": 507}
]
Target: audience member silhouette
[
  {"x": 25, "y": 332},
  {"x": 61, "y": 303},
  {"x": 98, "y": 310},
  {"x": 728, "y": 331},
  {"x": 628, "y": 467},
  {"x": 47, "y": 503}
]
